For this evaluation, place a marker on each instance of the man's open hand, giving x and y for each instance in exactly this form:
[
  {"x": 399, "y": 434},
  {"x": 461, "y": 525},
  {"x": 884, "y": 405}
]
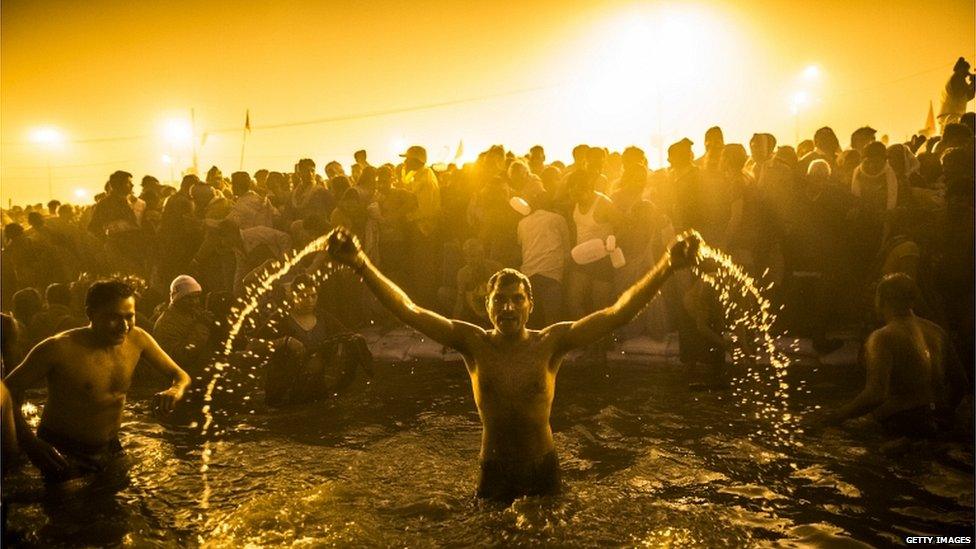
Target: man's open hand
[{"x": 164, "y": 402}]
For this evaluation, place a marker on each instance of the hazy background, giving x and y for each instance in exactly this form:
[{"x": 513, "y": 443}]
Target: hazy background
[{"x": 119, "y": 79}]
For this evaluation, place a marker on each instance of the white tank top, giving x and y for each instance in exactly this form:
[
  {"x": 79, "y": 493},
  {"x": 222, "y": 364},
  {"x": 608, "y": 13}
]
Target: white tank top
[{"x": 588, "y": 228}]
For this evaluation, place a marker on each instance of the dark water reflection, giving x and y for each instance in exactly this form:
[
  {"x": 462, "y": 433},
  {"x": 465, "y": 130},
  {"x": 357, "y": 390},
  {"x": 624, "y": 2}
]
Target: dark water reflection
[{"x": 646, "y": 462}]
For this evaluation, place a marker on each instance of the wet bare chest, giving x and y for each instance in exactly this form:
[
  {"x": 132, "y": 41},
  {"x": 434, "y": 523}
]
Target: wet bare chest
[
  {"x": 95, "y": 374},
  {"x": 518, "y": 373}
]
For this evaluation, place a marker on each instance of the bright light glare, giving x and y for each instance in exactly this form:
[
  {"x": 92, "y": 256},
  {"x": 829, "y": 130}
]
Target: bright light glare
[
  {"x": 812, "y": 72},
  {"x": 651, "y": 62},
  {"x": 167, "y": 159},
  {"x": 47, "y": 136},
  {"x": 800, "y": 99},
  {"x": 178, "y": 132},
  {"x": 81, "y": 193}
]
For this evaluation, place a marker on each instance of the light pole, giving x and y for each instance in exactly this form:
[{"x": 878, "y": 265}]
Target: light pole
[{"x": 49, "y": 138}]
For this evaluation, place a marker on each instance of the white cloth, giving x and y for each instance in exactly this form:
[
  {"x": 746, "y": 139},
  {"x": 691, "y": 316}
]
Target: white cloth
[
  {"x": 181, "y": 286},
  {"x": 544, "y": 238},
  {"x": 891, "y": 184},
  {"x": 587, "y": 227},
  {"x": 252, "y": 210}
]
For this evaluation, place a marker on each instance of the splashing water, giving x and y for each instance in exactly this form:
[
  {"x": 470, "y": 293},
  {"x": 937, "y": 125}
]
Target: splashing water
[
  {"x": 241, "y": 314},
  {"x": 764, "y": 388}
]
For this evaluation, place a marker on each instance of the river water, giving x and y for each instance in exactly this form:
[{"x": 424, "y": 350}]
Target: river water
[{"x": 647, "y": 460}]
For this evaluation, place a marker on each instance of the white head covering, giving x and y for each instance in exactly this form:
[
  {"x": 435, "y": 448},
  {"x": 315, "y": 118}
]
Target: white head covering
[{"x": 182, "y": 286}]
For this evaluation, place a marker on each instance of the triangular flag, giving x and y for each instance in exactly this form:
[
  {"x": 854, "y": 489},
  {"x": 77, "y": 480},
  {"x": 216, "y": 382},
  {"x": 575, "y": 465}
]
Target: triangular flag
[
  {"x": 929, "y": 129},
  {"x": 247, "y": 120}
]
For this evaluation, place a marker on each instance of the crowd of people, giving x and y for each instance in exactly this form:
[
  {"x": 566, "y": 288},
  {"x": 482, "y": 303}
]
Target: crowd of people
[
  {"x": 472, "y": 255},
  {"x": 822, "y": 222}
]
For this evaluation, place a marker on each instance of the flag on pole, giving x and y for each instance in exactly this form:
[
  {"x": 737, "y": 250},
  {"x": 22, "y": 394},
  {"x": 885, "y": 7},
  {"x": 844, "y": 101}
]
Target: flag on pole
[
  {"x": 929, "y": 129},
  {"x": 247, "y": 120}
]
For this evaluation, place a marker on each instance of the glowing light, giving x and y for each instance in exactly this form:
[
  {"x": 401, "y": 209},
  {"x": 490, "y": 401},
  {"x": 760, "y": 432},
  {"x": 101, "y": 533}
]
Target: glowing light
[
  {"x": 167, "y": 159},
  {"x": 47, "y": 136},
  {"x": 811, "y": 72},
  {"x": 178, "y": 131},
  {"x": 800, "y": 99},
  {"x": 81, "y": 193}
]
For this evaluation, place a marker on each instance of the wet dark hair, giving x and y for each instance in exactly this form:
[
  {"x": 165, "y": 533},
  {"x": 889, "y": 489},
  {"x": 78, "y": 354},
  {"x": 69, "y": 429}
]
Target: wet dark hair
[
  {"x": 105, "y": 292},
  {"x": 897, "y": 290},
  {"x": 508, "y": 276}
]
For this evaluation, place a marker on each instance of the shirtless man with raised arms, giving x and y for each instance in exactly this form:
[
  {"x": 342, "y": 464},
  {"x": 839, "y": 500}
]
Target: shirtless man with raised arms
[
  {"x": 88, "y": 371},
  {"x": 513, "y": 369}
]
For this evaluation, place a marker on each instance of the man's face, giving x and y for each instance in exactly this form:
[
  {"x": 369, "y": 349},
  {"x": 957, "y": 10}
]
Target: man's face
[
  {"x": 509, "y": 307},
  {"x": 304, "y": 299},
  {"x": 112, "y": 322},
  {"x": 307, "y": 173},
  {"x": 333, "y": 169},
  {"x": 191, "y": 301}
]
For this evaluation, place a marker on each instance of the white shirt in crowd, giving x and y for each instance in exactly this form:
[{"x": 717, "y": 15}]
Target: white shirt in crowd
[{"x": 544, "y": 238}]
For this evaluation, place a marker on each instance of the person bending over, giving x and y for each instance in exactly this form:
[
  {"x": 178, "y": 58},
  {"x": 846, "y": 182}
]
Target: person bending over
[
  {"x": 88, "y": 371},
  {"x": 513, "y": 369},
  {"x": 914, "y": 378}
]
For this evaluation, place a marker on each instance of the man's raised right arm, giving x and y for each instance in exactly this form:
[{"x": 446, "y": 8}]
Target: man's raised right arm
[{"x": 343, "y": 247}]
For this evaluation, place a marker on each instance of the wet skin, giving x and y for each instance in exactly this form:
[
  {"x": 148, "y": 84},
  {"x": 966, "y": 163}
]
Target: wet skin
[
  {"x": 88, "y": 372},
  {"x": 513, "y": 369}
]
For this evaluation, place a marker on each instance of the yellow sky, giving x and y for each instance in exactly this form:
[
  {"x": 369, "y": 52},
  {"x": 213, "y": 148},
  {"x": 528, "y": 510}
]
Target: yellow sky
[{"x": 110, "y": 74}]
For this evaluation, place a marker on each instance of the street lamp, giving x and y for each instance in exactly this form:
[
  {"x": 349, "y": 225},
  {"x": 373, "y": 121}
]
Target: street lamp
[
  {"x": 178, "y": 133},
  {"x": 800, "y": 100},
  {"x": 49, "y": 138}
]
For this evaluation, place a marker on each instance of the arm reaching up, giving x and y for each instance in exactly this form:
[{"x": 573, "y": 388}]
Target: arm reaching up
[
  {"x": 344, "y": 248},
  {"x": 683, "y": 252}
]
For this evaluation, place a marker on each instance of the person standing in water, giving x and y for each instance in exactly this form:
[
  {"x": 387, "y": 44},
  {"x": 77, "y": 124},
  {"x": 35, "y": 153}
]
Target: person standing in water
[
  {"x": 914, "y": 378},
  {"x": 513, "y": 369},
  {"x": 88, "y": 372}
]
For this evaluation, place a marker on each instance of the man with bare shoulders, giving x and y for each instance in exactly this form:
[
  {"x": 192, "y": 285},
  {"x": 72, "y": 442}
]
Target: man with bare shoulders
[
  {"x": 88, "y": 371},
  {"x": 513, "y": 369},
  {"x": 914, "y": 378}
]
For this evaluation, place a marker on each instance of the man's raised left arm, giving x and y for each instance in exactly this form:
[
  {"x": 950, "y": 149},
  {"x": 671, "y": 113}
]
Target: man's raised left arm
[{"x": 682, "y": 253}]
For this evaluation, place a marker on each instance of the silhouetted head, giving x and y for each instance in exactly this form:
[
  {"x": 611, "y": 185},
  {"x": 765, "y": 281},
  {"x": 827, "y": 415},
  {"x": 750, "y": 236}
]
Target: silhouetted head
[
  {"x": 714, "y": 138},
  {"x": 861, "y": 137},
  {"x": 826, "y": 140},
  {"x": 734, "y": 158},
  {"x": 680, "y": 154},
  {"x": 961, "y": 65},
  {"x": 240, "y": 183},
  {"x": 895, "y": 295},
  {"x": 119, "y": 182}
]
